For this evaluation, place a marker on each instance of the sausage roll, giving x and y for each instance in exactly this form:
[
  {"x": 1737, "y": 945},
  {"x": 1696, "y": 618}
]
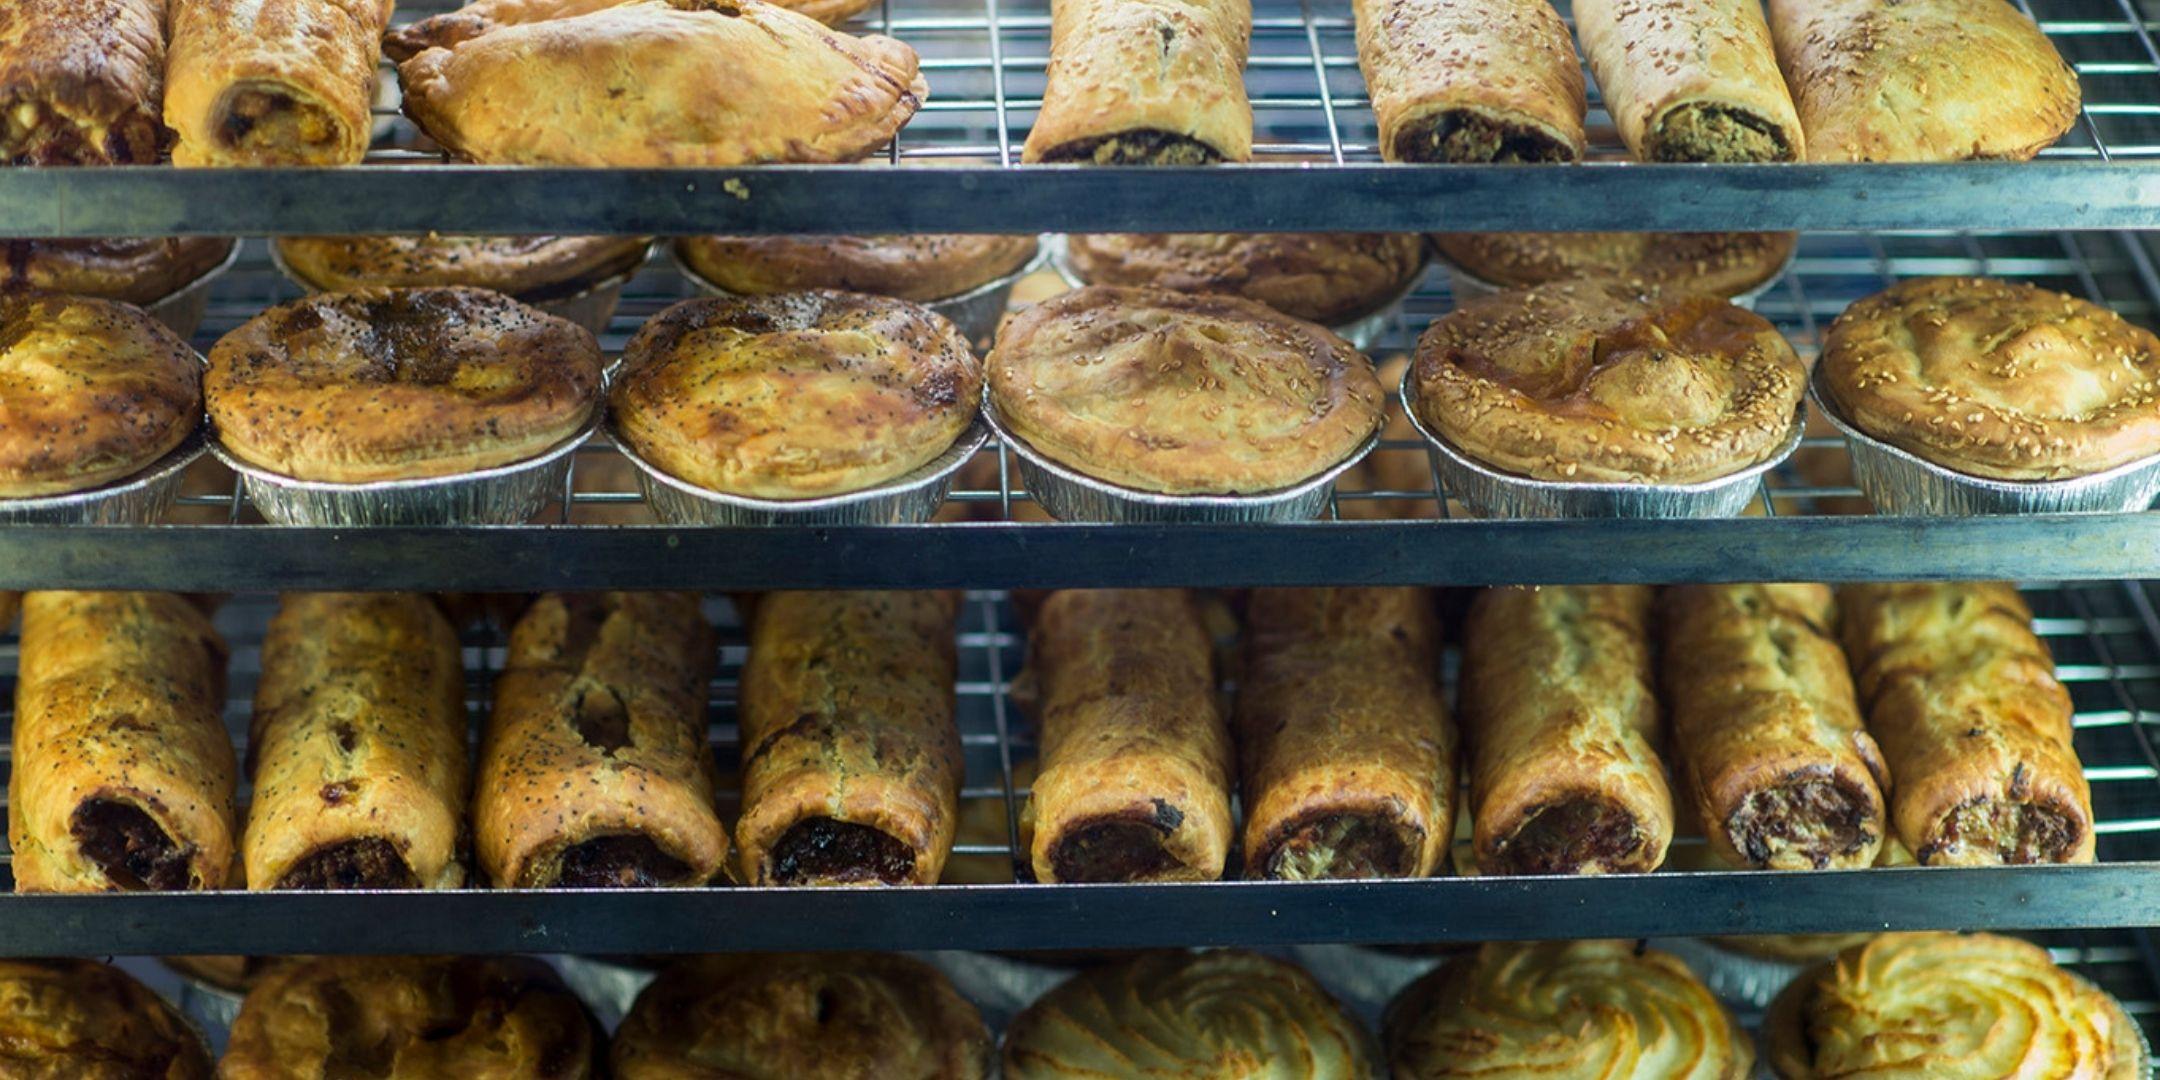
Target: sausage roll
[
  {"x": 1766, "y": 733},
  {"x": 1690, "y": 80},
  {"x": 1349, "y": 757},
  {"x": 449, "y": 29},
  {"x": 273, "y": 82},
  {"x": 1562, "y": 723},
  {"x": 81, "y": 82},
  {"x": 851, "y": 757},
  {"x": 1471, "y": 80},
  {"x": 1145, "y": 82},
  {"x": 1962, "y": 696},
  {"x": 357, "y": 749},
  {"x": 123, "y": 775},
  {"x": 84, "y": 1020},
  {"x": 1135, "y": 758},
  {"x": 594, "y": 770}
]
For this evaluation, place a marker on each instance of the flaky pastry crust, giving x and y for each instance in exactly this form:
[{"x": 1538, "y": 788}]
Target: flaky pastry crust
[
  {"x": 1723, "y": 264},
  {"x": 530, "y": 268},
  {"x": 83, "y": 1020},
  {"x": 133, "y": 271},
  {"x": 81, "y": 82},
  {"x": 920, "y": 268},
  {"x": 1145, "y": 82},
  {"x": 1471, "y": 80},
  {"x": 1690, "y": 80},
  {"x": 451, "y": 28},
  {"x": 273, "y": 82},
  {"x": 1327, "y": 278},
  {"x": 90, "y": 391}
]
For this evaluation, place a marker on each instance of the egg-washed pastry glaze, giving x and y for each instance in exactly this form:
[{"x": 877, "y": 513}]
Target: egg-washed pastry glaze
[
  {"x": 134, "y": 271},
  {"x": 1327, "y": 278},
  {"x": 1471, "y": 80},
  {"x": 1145, "y": 82},
  {"x": 450, "y": 28},
  {"x": 921, "y": 268},
  {"x": 1690, "y": 80},
  {"x": 1722, "y": 264},
  {"x": 82, "y": 82},
  {"x": 529, "y": 268},
  {"x": 91, "y": 391},
  {"x": 86, "y": 1020},
  {"x": 273, "y": 82}
]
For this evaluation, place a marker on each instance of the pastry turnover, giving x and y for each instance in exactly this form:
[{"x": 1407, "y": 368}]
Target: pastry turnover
[
  {"x": 1225, "y": 1012},
  {"x": 920, "y": 268},
  {"x": 665, "y": 82},
  {"x": 273, "y": 82},
  {"x": 134, "y": 271},
  {"x": 1908, "y": 1006},
  {"x": 1327, "y": 278},
  {"x": 807, "y": 1016},
  {"x": 81, "y": 82},
  {"x": 1996, "y": 378},
  {"x": 123, "y": 775},
  {"x": 594, "y": 767},
  {"x": 1690, "y": 80},
  {"x": 397, "y": 384},
  {"x": 1135, "y": 759},
  {"x": 1592, "y": 381},
  {"x": 1181, "y": 394},
  {"x": 1722, "y": 264},
  {"x": 1562, "y": 724},
  {"x": 451, "y": 28},
  {"x": 1962, "y": 696},
  {"x": 1766, "y": 733},
  {"x": 1349, "y": 756},
  {"x": 796, "y": 395},
  {"x": 1922, "y": 80},
  {"x": 1145, "y": 82},
  {"x": 530, "y": 268},
  {"x": 409, "y": 1018},
  {"x": 80, "y": 1018},
  {"x": 1471, "y": 80},
  {"x": 1565, "y": 1008},
  {"x": 91, "y": 391},
  {"x": 851, "y": 758}
]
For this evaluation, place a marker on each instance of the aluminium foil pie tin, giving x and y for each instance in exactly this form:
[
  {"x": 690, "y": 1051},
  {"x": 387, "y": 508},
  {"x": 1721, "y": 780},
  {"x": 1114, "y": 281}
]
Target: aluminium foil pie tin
[
  {"x": 590, "y": 306},
  {"x": 141, "y": 499},
  {"x": 183, "y": 310},
  {"x": 909, "y": 500},
  {"x": 976, "y": 312},
  {"x": 1465, "y": 286},
  {"x": 1900, "y": 482}
]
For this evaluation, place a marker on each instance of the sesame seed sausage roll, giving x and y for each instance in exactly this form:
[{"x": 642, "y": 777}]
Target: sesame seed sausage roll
[
  {"x": 1145, "y": 82},
  {"x": 1766, "y": 732},
  {"x": 358, "y": 746},
  {"x": 594, "y": 769},
  {"x": 1471, "y": 80},
  {"x": 81, "y": 82},
  {"x": 123, "y": 774},
  {"x": 1349, "y": 757},
  {"x": 1562, "y": 723},
  {"x": 851, "y": 757},
  {"x": 1135, "y": 758},
  {"x": 1690, "y": 80},
  {"x": 1962, "y": 696},
  {"x": 273, "y": 82}
]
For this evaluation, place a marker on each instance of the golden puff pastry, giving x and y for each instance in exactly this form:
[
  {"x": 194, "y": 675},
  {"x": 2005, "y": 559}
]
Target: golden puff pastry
[
  {"x": 1996, "y": 378},
  {"x": 82, "y": 1020},
  {"x": 1922, "y": 80},
  {"x": 396, "y": 384},
  {"x": 1690, "y": 80},
  {"x": 273, "y": 82},
  {"x": 91, "y": 391},
  {"x": 1722, "y": 264},
  {"x": 451, "y": 28},
  {"x": 1327, "y": 278},
  {"x": 1175, "y": 1015},
  {"x": 141, "y": 271},
  {"x": 1471, "y": 80},
  {"x": 1140, "y": 82},
  {"x": 921, "y": 268},
  {"x": 1565, "y": 1009},
  {"x": 1181, "y": 394},
  {"x": 1950, "y": 1007},
  {"x": 665, "y": 82},
  {"x": 1592, "y": 381},
  {"x": 807, "y": 1016},
  {"x": 530, "y": 268},
  {"x": 81, "y": 82},
  {"x": 796, "y": 395}
]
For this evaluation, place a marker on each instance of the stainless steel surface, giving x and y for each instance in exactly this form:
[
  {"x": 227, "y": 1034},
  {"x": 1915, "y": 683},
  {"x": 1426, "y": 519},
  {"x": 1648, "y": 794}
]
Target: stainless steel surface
[
  {"x": 976, "y": 312},
  {"x": 911, "y": 499},
  {"x": 141, "y": 499},
  {"x": 183, "y": 312}
]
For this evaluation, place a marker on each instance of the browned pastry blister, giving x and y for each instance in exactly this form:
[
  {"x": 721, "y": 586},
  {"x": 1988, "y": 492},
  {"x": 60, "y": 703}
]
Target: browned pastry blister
[
  {"x": 1327, "y": 278},
  {"x": 1561, "y": 721},
  {"x": 1766, "y": 732},
  {"x": 81, "y": 82},
  {"x": 851, "y": 756},
  {"x": 1962, "y": 696},
  {"x": 530, "y": 268},
  {"x": 82, "y": 1020},
  {"x": 1135, "y": 760},
  {"x": 804, "y": 1016},
  {"x": 1690, "y": 80},
  {"x": 91, "y": 391},
  {"x": 1145, "y": 82},
  {"x": 357, "y": 748},
  {"x": 1471, "y": 80},
  {"x": 1348, "y": 753},
  {"x": 123, "y": 776},
  {"x": 595, "y": 771},
  {"x": 135, "y": 271},
  {"x": 1719, "y": 263},
  {"x": 273, "y": 82},
  {"x": 450, "y": 28},
  {"x": 920, "y": 268}
]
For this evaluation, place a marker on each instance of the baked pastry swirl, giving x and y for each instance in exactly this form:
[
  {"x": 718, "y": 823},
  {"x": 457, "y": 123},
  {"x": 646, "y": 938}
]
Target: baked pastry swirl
[
  {"x": 808, "y": 1016},
  {"x": 1471, "y": 80},
  {"x": 1145, "y": 82},
  {"x": 1165, "y": 1015},
  {"x": 80, "y": 1018},
  {"x": 1594, "y": 381},
  {"x": 81, "y": 82},
  {"x": 90, "y": 392},
  {"x": 796, "y": 395},
  {"x": 273, "y": 82},
  {"x": 1327, "y": 278},
  {"x": 529, "y": 268},
  {"x": 1722, "y": 264},
  {"x": 398, "y": 384},
  {"x": 1950, "y": 1007},
  {"x": 447, "y": 30},
  {"x": 920, "y": 268},
  {"x": 1565, "y": 1009},
  {"x": 1996, "y": 378},
  {"x": 1690, "y": 80},
  {"x": 133, "y": 271}
]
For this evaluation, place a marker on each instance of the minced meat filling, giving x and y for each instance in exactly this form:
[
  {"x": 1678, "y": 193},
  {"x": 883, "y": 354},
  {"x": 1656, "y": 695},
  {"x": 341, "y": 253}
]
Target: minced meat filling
[
  {"x": 619, "y": 862},
  {"x": 1569, "y": 838},
  {"x": 1136, "y": 148},
  {"x": 1715, "y": 133},
  {"x": 262, "y": 118},
  {"x": 1341, "y": 846},
  {"x": 822, "y": 849},
  {"x": 1468, "y": 137},
  {"x": 1799, "y": 826},
  {"x": 1118, "y": 850},
  {"x": 130, "y": 847},
  {"x": 2017, "y": 832},
  {"x": 367, "y": 863}
]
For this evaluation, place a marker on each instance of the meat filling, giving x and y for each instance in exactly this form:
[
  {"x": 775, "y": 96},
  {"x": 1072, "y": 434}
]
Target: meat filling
[
  {"x": 36, "y": 134},
  {"x": 133, "y": 851},
  {"x": 1146, "y": 147},
  {"x": 1578, "y": 836},
  {"x": 264, "y": 118},
  {"x": 1464, "y": 137},
  {"x": 1333, "y": 846},
  {"x": 1802, "y": 825},
  {"x": 630, "y": 861},
  {"x": 1114, "y": 850},
  {"x": 2015, "y": 832},
  {"x": 370, "y": 862},
  {"x": 1717, "y": 133},
  {"x": 821, "y": 849}
]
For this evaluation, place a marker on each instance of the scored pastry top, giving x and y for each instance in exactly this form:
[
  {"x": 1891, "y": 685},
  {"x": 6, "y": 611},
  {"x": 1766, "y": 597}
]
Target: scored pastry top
[
  {"x": 1328, "y": 278},
  {"x": 920, "y": 267},
  {"x": 527, "y": 267},
  {"x": 1722, "y": 263}
]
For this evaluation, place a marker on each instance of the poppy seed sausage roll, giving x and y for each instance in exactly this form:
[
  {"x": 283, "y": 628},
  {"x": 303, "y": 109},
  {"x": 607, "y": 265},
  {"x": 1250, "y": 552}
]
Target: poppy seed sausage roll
[
  {"x": 851, "y": 757},
  {"x": 1471, "y": 80},
  {"x": 1145, "y": 82},
  {"x": 81, "y": 82},
  {"x": 358, "y": 746},
  {"x": 123, "y": 774},
  {"x": 1962, "y": 697},
  {"x": 1135, "y": 758},
  {"x": 1562, "y": 725},
  {"x": 1690, "y": 80},
  {"x": 1766, "y": 733},
  {"x": 594, "y": 770},
  {"x": 1349, "y": 756}
]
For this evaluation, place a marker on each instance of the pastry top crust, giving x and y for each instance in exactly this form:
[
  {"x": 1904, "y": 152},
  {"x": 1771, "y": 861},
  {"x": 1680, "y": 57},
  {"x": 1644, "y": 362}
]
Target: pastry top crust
[
  {"x": 79, "y": 1018},
  {"x": 81, "y": 82},
  {"x": 90, "y": 391},
  {"x": 393, "y": 384},
  {"x": 1437, "y": 68},
  {"x": 526, "y": 267},
  {"x": 795, "y": 395},
  {"x": 1145, "y": 81},
  {"x": 1327, "y": 278},
  {"x": 716, "y": 82},
  {"x": 451, "y": 28},
  {"x": 132, "y": 271},
  {"x": 1726, "y": 264},
  {"x": 921, "y": 268},
  {"x": 1180, "y": 393},
  {"x": 1996, "y": 378},
  {"x": 1595, "y": 381}
]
